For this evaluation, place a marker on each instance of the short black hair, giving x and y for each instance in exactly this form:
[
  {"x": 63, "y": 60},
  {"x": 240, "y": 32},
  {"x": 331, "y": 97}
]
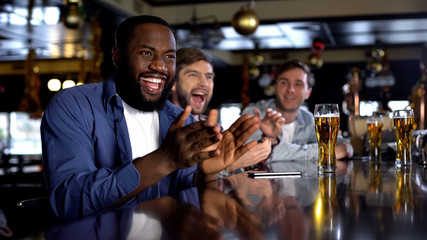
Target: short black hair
[
  {"x": 288, "y": 65},
  {"x": 125, "y": 29}
]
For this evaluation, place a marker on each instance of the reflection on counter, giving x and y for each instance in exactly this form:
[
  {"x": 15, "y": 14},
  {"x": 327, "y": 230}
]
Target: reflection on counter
[
  {"x": 326, "y": 216},
  {"x": 403, "y": 207},
  {"x": 366, "y": 200}
]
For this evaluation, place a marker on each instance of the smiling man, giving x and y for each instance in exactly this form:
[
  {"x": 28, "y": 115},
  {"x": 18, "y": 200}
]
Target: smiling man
[
  {"x": 297, "y": 138},
  {"x": 121, "y": 141},
  {"x": 194, "y": 87},
  {"x": 194, "y": 80}
]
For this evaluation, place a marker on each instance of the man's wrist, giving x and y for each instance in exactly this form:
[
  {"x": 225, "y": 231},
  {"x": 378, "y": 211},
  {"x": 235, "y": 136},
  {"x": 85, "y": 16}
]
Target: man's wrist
[
  {"x": 201, "y": 178},
  {"x": 273, "y": 140}
]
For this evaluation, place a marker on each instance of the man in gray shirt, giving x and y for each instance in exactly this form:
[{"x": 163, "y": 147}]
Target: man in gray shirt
[{"x": 296, "y": 140}]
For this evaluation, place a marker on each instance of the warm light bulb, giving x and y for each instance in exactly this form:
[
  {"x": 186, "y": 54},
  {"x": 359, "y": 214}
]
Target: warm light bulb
[
  {"x": 68, "y": 84},
  {"x": 54, "y": 84}
]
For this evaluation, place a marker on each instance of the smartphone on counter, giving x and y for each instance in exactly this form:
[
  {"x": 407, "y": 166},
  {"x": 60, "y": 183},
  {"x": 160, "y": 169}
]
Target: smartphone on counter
[{"x": 294, "y": 174}]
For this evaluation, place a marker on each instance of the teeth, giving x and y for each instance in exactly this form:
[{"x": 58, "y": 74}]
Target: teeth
[
  {"x": 152, "y": 80},
  {"x": 200, "y": 94}
]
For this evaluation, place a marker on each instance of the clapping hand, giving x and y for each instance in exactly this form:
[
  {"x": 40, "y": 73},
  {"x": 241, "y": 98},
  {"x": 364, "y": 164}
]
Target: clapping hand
[
  {"x": 184, "y": 145},
  {"x": 232, "y": 145},
  {"x": 255, "y": 155}
]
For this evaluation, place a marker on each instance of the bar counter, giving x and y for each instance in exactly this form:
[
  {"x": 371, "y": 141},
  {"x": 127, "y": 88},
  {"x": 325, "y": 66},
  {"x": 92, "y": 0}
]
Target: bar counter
[{"x": 362, "y": 200}]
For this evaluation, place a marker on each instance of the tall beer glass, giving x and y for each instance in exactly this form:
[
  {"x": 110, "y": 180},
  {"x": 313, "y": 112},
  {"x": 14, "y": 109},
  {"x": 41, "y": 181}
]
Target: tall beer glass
[
  {"x": 327, "y": 122},
  {"x": 375, "y": 126},
  {"x": 403, "y": 123}
]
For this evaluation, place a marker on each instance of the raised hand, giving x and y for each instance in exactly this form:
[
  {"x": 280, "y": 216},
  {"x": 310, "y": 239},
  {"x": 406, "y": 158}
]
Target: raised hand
[
  {"x": 271, "y": 124},
  {"x": 255, "y": 155},
  {"x": 232, "y": 145},
  {"x": 184, "y": 144}
]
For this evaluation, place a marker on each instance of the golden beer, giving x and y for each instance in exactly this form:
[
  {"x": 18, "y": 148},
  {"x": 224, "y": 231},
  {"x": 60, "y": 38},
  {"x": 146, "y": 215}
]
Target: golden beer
[
  {"x": 374, "y": 136},
  {"x": 404, "y": 127},
  {"x": 327, "y": 128}
]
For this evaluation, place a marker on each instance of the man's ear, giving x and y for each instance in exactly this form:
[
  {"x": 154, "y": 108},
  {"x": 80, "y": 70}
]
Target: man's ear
[
  {"x": 308, "y": 93},
  {"x": 115, "y": 54}
]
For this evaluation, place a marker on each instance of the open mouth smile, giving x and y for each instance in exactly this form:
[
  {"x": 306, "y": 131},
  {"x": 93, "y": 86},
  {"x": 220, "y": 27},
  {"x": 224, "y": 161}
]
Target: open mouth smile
[{"x": 152, "y": 85}]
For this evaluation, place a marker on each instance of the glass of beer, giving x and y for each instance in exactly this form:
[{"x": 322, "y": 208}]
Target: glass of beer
[
  {"x": 403, "y": 123},
  {"x": 375, "y": 125},
  {"x": 326, "y": 122}
]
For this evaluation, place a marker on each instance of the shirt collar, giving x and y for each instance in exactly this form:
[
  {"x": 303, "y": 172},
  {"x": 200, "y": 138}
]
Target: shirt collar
[
  {"x": 109, "y": 91},
  {"x": 300, "y": 119}
]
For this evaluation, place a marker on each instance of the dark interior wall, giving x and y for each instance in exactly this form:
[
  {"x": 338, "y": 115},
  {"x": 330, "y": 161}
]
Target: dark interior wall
[
  {"x": 228, "y": 86},
  {"x": 11, "y": 91}
]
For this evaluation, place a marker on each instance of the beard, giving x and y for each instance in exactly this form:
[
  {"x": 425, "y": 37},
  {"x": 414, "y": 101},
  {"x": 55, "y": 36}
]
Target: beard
[
  {"x": 282, "y": 108},
  {"x": 129, "y": 89},
  {"x": 184, "y": 99}
]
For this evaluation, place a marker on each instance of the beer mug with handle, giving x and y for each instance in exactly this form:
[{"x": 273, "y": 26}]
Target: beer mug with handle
[
  {"x": 403, "y": 124},
  {"x": 327, "y": 122}
]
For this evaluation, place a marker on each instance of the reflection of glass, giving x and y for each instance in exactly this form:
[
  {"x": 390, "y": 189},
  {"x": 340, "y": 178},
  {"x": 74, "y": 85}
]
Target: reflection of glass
[
  {"x": 325, "y": 211},
  {"x": 375, "y": 125},
  {"x": 375, "y": 182},
  {"x": 327, "y": 121},
  {"x": 403, "y": 122},
  {"x": 375, "y": 197},
  {"x": 403, "y": 207}
]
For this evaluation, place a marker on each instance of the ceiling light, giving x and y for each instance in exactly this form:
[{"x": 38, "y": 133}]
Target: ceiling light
[
  {"x": 52, "y": 15},
  {"x": 73, "y": 19}
]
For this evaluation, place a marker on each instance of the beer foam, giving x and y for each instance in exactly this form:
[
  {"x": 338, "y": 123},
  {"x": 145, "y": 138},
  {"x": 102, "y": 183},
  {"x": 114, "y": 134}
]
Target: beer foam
[
  {"x": 402, "y": 117},
  {"x": 327, "y": 115}
]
